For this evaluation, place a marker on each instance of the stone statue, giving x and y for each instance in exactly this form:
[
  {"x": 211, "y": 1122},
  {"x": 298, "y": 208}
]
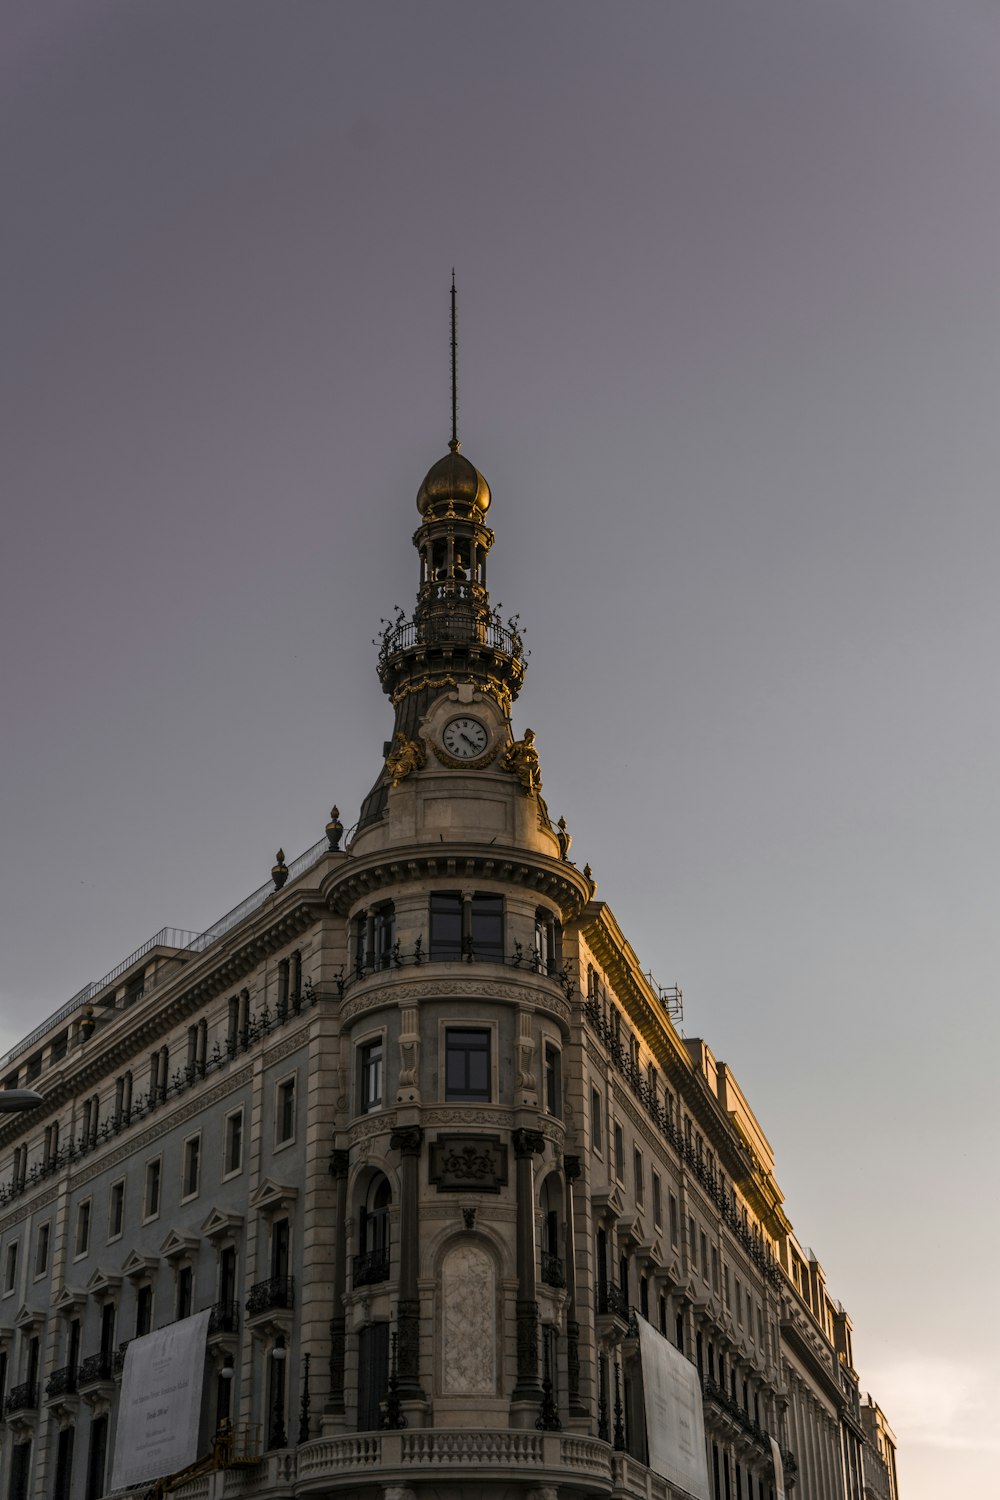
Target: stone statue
[{"x": 522, "y": 758}]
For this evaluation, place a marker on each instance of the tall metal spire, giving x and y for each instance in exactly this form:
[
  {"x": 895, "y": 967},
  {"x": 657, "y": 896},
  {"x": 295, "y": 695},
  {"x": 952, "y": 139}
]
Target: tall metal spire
[{"x": 454, "y": 444}]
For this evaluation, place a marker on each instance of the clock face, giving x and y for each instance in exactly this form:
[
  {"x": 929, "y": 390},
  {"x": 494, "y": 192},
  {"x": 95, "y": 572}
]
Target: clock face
[{"x": 464, "y": 738}]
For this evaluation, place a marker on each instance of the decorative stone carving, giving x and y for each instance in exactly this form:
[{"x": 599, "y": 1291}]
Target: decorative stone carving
[
  {"x": 460, "y": 1163},
  {"x": 468, "y": 1301},
  {"x": 409, "y": 1056}
]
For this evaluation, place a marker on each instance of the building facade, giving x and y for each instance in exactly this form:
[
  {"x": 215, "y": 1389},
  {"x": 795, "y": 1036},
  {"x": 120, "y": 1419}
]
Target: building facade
[{"x": 416, "y": 1127}]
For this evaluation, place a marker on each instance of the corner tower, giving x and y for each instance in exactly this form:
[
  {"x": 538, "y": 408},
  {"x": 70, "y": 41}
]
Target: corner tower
[{"x": 455, "y": 642}]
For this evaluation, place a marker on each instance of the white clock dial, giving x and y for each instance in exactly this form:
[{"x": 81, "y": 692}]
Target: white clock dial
[{"x": 464, "y": 738}]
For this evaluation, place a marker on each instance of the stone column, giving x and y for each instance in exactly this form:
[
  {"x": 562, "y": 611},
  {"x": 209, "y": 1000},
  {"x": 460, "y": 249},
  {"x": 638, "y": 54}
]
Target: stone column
[
  {"x": 527, "y": 1144},
  {"x": 408, "y": 1140},
  {"x": 571, "y": 1171},
  {"x": 338, "y": 1322}
]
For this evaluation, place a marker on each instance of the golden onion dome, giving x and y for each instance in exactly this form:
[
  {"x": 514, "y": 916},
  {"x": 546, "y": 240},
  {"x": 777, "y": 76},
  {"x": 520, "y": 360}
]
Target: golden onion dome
[{"x": 453, "y": 479}]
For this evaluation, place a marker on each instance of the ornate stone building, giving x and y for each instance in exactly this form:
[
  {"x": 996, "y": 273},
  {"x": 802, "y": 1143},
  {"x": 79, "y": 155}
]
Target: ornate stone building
[{"x": 416, "y": 1127}]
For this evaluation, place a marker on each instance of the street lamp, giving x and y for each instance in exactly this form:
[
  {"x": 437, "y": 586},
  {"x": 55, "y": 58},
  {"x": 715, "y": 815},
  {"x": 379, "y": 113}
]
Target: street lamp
[
  {"x": 278, "y": 1435},
  {"x": 15, "y": 1101}
]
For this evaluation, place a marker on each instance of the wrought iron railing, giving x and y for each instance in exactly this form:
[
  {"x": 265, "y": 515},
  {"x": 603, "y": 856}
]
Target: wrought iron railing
[
  {"x": 119, "y": 1359},
  {"x": 61, "y": 1382},
  {"x": 529, "y": 961},
  {"x": 609, "y": 1298},
  {"x": 749, "y": 1237},
  {"x": 371, "y": 1267},
  {"x": 98, "y": 1366},
  {"x": 22, "y": 1397},
  {"x": 277, "y": 1291},
  {"x": 459, "y": 628},
  {"x": 552, "y": 1269},
  {"x": 224, "y": 1317}
]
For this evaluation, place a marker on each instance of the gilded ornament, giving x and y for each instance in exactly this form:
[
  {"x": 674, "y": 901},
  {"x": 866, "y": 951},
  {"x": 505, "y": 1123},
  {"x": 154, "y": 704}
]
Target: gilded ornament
[{"x": 405, "y": 756}]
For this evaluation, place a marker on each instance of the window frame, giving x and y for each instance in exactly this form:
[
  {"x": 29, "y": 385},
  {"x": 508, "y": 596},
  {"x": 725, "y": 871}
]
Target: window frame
[
  {"x": 454, "y": 1028},
  {"x": 284, "y": 1088},
  {"x": 371, "y": 1050},
  {"x": 84, "y": 1221},
  {"x": 618, "y": 1135},
  {"x": 10, "y": 1268},
  {"x": 43, "y": 1237},
  {"x": 233, "y": 1117},
  {"x": 113, "y": 1233},
  {"x": 552, "y": 1068},
  {"x": 596, "y": 1121},
  {"x": 191, "y": 1150},
  {"x": 152, "y": 1176}
]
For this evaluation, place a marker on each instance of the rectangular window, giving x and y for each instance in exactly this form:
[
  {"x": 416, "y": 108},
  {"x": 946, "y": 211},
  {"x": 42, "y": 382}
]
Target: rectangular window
[
  {"x": 619, "y": 1153},
  {"x": 715, "y": 1269},
  {"x": 371, "y": 1076},
  {"x": 284, "y": 1112},
  {"x": 42, "y": 1250},
  {"x": 151, "y": 1196},
  {"x": 704, "y": 1257},
  {"x": 143, "y": 1311},
  {"x": 467, "y": 1064},
  {"x": 637, "y": 1170},
  {"x": 116, "y": 1209},
  {"x": 192, "y": 1166},
  {"x": 185, "y": 1292},
  {"x": 10, "y": 1268},
  {"x": 82, "y": 1227},
  {"x": 553, "y": 1081},
  {"x": 739, "y": 1301},
  {"x": 596, "y": 1121},
  {"x": 487, "y": 928},
  {"x": 657, "y": 1201},
  {"x": 446, "y": 925},
  {"x": 383, "y": 934},
  {"x": 674, "y": 1222},
  {"x": 233, "y": 1158}
]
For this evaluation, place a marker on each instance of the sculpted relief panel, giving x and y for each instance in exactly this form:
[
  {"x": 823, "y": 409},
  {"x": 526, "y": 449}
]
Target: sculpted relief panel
[{"x": 468, "y": 1297}]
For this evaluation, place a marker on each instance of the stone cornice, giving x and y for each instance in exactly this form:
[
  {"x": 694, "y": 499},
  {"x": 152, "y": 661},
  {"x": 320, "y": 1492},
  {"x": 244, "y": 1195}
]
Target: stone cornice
[{"x": 357, "y": 879}]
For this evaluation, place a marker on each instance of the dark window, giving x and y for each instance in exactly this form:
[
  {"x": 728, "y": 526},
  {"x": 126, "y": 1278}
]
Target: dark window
[
  {"x": 185, "y": 1291},
  {"x": 596, "y": 1119},
  {"x": 446, "y": 926},
  {"x": 640, "y": 1186},
  {"x": 375, "y": 1219},
  {"x": 83, "y": 1228},
  {"x": 152, "y": 1198},
  {"x": 466, "y": 927},
  {"x": 42, "y": 1250},
  {"x": 233, "y": 1025},
  {"x": 285, "y": 1121},
  {"x": 10, "y": 1268},
  {"x": 657, "y": 1201},
  {"x": 234, "y": 1141},
  {"x": 20, "y": 1470},
  {"x": 64, "y": 1464},
  {"x": 227, "y": 1274},
  {"x": 280, "y": 1240},
  {"x": 371, "y": 1076},
  {"x": 467, "y": 1064},
  {"x": 619, "y": 1153},
  {"x": 108, "y": 1312},
  {"x": 143, "y": 1311},
  {"x": 192, "y": 1165},
  {"x": 97, "y": 1457},
  {"x": 553, "y": 1080},
  {"x": 383, "y": 934},
  {"x": 373, "y": 1375},
  {"x": 116, "y": 1210},
  {"x": 546, "y": 954},
  {"x": 487, "y": 928}
]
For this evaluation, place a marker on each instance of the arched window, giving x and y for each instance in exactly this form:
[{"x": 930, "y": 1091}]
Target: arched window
[{"x": 371, "y": 1265}]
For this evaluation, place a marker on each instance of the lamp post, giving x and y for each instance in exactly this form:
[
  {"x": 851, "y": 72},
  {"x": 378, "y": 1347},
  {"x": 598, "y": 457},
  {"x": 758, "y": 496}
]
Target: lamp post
[
  {"x": 278, "y": 1437},
  {"x": 16, "y": 1101}
]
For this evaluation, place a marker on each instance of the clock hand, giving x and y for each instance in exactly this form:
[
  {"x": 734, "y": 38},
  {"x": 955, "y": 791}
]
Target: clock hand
[{"x": 465, "y": 737}]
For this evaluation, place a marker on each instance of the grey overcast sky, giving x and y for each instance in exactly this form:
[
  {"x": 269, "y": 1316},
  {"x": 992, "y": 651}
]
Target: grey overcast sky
[{"x": 730, "y": 359}]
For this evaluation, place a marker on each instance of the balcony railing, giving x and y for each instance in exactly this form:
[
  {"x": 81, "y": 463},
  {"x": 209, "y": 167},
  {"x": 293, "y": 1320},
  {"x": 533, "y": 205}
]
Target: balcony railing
[
  {"x": 552, "y": 1270},
  {"x": 22, "y": 1397},
  {"x": 224, "y": 1317},
  {"x": 95, "y": 1367},
  {"x": 61, "y": 1382},
  {"x": 530, "y": 961},
  {"x": 371, "y": 1267},
  {"x": 400, "y": 634},
  {"x": 610, "y": 1299},
  {"x": 278, "y": 1291}
]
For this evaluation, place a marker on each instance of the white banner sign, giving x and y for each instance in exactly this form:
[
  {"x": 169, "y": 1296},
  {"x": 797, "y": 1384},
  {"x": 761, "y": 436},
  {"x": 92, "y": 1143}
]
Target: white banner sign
[
  {"x": 160, "y": 1407},
  {"x": 779, "y": 1471},
  {"x": 675, "y": 1417}
]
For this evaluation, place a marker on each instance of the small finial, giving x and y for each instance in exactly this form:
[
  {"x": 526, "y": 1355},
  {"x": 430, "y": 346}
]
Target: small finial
[
  {"x": 334, "y": 830},
  {"x": 454, "y": 445},
  {"x": 279, "y": 870}
]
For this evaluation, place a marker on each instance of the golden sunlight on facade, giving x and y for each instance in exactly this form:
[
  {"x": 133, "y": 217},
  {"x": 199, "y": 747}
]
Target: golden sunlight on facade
[{"x": 410, "y": 1156}]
